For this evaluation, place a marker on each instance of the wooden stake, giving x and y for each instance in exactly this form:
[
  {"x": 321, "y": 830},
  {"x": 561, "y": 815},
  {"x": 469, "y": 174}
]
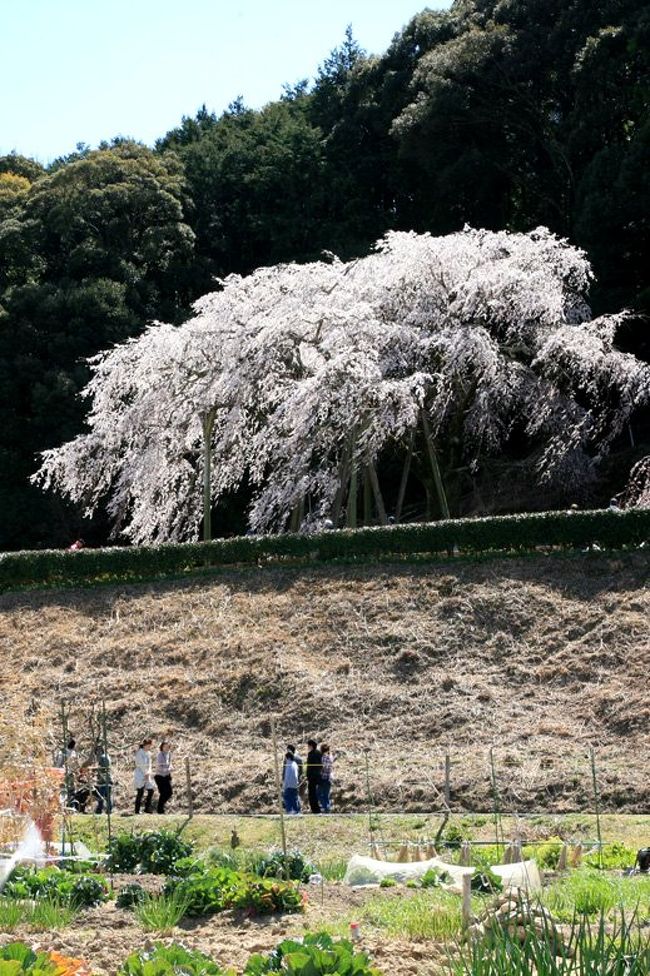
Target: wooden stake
[
  {"x": 467, "y": 900},
  {"x": 597, "y": 808},
  {"x": 405, "y": 477},
  {"x": 447, "y": 778},
  {"x": 435, "y": 467},
  {"x": 188, "y": 787},
  {"x": 278, "y": 787}
]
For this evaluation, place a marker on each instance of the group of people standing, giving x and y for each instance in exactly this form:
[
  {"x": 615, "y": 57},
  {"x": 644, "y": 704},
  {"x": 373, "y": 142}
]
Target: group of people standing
[
  {"x": 316, "y": 771},
  {"x": 83, "y": 780},
  {"x": 147, "y": 777}
]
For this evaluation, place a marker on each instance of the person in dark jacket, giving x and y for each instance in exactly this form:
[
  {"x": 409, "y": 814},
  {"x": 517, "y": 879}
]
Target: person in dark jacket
[{"x": 313, "y": 770}]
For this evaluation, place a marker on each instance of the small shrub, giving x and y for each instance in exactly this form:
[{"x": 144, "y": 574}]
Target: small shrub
[
  {"x": 547, "y": 854},
  {"x": 387, "y": 883},
  {"x": 130, "y": 895},
  {"x": 275, "y": 865},
  {"x": 218, "y": 889},
  {"x": 486, "y": 882},
  {"x": 313, "y": 955},
  {"x": 152, "y": 852},
  {"x": 160, "y": 960}
]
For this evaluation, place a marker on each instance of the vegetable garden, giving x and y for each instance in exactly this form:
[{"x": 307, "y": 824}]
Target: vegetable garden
[{"x": 155, "y": 903}]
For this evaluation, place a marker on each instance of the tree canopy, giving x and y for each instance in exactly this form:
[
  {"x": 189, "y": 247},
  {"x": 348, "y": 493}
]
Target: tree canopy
[{"x": 298, "y": 377}]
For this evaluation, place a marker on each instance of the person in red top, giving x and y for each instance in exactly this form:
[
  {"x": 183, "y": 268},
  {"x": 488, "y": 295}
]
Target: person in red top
[{"x": 76, "y": 545}]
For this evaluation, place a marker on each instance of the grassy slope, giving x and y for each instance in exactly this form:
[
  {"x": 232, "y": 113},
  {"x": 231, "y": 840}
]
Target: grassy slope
[{"x": 539, "y": 657}]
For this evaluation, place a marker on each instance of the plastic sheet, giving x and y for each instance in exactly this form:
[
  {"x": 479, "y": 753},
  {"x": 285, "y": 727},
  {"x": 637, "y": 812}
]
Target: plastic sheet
[
  {"x": 521, "y": 874},
  {"x": 368, "y": 871}
]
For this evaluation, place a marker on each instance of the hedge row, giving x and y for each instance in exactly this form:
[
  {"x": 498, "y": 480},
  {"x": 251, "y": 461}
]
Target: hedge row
[{"x": 608, "y": 529}]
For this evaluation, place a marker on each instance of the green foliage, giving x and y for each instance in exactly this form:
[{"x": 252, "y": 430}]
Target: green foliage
[
  {"x": 601, "y": 951},
  {"x": 313, "y": 955},
  {"x": 217, "y": 889},
  {"x": 613, "y": 856},
  {"x": 520, "y": 533},
  {"x": 160, "y": 960},
  {"x": 12, "y": 914},
  {"x": 77, "y": 891},
  {"x": 547, "y": 855},
  {"x": 160, "y": 913},
  {"x": 294, "y": 868},
  {"x": 53, "y": 914},
  {"x": 589, "y": 892},
  {"x": 486, "y": 882},
  {"x": 130, "y": 895},
  {"x": 387, "y": 883},
  {"x": 152, "y": 852},
  {"x": 17, "y": 959}
]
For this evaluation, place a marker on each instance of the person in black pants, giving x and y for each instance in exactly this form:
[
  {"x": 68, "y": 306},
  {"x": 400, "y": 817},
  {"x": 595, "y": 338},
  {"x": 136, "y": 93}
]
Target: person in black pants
[{"x": 313, "y": 768}]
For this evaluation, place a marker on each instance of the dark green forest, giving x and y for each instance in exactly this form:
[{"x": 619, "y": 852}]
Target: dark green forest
[{"x": 497, "y": 113}]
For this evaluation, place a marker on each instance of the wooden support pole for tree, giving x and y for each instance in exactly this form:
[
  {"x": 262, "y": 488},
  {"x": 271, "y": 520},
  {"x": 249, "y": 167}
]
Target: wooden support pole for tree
[
  {"x": 376, "y": 490},
  {"x": 447, "y": 778},
  {"x": 351, "y": 519},
  {"x": 465, "y": 853},
  {"x": 278, "y": 788},
  {"x": 367, "y": 498},
  {"x": 208, "y": 425},
  {"x": 435, "y": 467},
  {"x": 405, "y": 477}
]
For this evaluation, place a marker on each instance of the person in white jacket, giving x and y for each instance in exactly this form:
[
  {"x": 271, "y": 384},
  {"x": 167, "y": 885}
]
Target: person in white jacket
[{"x": 143, "y": 776}]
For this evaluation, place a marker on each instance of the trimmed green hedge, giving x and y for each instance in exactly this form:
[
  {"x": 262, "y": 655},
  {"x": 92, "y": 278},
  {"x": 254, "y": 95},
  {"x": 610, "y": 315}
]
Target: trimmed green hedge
[{"x": 609, "y": 530}]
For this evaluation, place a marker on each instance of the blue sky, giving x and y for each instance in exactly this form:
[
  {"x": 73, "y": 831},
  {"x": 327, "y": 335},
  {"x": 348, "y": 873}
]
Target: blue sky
[{"x": 84, "y": 70}]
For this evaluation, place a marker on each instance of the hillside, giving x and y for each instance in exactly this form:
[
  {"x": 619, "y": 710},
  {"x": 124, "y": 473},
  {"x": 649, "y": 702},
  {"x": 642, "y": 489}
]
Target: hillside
[{"x": 539, "y": 657}]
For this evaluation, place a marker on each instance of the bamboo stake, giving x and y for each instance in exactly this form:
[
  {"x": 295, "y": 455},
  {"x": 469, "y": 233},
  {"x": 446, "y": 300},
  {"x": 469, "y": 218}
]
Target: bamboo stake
[
  {"x": 188, "y": 787},
  {"x": 278, "y": 787},
  {"x": 108, "y": 788},
  {"x": 597, "y": 807}
]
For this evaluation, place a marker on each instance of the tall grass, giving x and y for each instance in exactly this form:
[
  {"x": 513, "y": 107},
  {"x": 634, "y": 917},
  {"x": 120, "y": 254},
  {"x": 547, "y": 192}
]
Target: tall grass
[
  {"x": 12, "y": 913},
  {"x": 50, "y": 915},
  {"x": 160, "y": 913},
  {"x": 425, "y": 915},
  {"x": 589, "y": 950},
  {"x": 589, "y": 892}
]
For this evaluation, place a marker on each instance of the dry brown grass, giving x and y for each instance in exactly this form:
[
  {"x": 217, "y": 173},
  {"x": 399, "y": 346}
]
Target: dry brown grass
[{"x": 539, "y": 657}]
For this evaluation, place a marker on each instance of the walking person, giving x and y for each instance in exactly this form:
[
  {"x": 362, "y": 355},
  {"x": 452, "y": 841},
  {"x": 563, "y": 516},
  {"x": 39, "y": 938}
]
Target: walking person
[
  {"x": 142, "y": 777},
  {"x": 325, "y": 785},
  {"x": 313, "y": 769},
  {"x": 103, "y": 780},
  {"x": 163, "y": 776},
  {"x": 290, "y": 783}
]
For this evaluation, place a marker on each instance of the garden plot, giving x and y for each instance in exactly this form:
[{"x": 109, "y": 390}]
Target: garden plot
[{"x": 236, "y": 909}]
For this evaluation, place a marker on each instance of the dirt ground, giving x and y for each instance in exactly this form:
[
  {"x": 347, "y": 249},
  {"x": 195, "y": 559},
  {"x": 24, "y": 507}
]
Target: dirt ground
[
  {"x": 106, "y": 935},
  {"x": 538, "y": 657}
]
